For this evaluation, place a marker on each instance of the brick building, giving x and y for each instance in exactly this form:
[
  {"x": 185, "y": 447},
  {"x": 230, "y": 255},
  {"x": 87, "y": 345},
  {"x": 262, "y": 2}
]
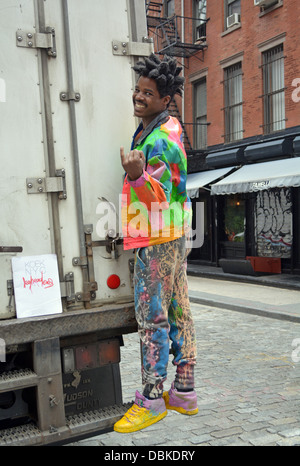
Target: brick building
[{"x": 241, "y": 120}]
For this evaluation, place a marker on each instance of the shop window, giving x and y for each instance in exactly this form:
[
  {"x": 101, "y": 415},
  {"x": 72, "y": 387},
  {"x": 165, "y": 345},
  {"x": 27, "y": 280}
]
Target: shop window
[
  {"x": 232, "y": 223},
  {"x": 234, "y": 219}
]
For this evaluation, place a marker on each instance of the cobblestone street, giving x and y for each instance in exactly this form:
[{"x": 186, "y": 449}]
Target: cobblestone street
[{"x": 247, "y": 381}]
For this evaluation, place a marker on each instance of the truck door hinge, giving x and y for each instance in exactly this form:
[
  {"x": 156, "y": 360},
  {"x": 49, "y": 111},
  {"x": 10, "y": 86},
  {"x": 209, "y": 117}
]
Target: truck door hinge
[
  {"x": 137, "y": 49},
  {"x": 48, "y": 185},
  {"x": 67, "y": 287},
  {"x": 38, "y": 40}
]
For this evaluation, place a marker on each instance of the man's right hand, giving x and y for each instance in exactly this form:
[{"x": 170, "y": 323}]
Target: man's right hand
[{"x": 133, "y": 163}]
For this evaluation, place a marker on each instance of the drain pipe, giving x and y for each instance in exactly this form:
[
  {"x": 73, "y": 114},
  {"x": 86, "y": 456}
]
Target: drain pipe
[{"x": 75, "y": 152}]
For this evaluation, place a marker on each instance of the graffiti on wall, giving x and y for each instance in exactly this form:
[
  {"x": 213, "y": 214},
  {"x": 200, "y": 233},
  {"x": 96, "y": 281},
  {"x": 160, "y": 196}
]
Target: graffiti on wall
[{"x": 274, "y": 231}]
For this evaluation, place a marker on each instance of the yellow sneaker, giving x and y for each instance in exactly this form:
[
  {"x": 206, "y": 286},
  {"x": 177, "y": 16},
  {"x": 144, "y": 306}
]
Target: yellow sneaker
[
  {"x": 182, "y": 402},
  {"x": 143, "y": 413}
]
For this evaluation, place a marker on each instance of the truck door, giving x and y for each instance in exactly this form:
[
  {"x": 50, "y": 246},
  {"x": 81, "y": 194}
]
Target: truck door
[{"x": 65, "y": 104}]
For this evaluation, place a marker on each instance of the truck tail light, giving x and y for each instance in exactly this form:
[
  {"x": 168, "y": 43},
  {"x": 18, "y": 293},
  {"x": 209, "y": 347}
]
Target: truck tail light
[
  {"x": 113, "y": 281},
  {"x": 109, "y": 352},
  {"x": 86, "y": 357},
  {"x": 90, "y": 356}
]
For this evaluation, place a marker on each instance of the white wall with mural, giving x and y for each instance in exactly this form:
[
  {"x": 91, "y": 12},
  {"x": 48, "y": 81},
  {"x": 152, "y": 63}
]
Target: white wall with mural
[{"x": 274, "y": 227}]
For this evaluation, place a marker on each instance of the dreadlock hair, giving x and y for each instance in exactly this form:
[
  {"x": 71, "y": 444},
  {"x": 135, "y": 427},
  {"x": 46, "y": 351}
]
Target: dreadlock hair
[{"x": 165, "y": 72}]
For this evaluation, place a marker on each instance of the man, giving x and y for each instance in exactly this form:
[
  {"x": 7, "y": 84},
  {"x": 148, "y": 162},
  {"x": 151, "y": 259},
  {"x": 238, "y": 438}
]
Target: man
[{"x": 156, "y": 216}]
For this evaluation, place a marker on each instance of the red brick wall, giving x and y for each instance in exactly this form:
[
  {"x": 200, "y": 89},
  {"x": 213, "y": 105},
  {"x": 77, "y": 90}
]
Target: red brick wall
[{"x": 255, "y": 29}]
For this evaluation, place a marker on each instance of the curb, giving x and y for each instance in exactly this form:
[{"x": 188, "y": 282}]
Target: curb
[{"x": 230, "y": 305}]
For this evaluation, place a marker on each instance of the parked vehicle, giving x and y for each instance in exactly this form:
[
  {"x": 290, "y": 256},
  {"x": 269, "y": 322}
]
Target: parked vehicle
[{"x": 65, "y": 108}]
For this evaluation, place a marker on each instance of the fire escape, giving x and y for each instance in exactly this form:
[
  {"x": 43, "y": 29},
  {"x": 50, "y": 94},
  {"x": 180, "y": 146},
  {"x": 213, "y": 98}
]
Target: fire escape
[
  {"x": 154, "y": 13},
  {"x": 167, "y": 34},
  {"x": 169, "y": 31}
]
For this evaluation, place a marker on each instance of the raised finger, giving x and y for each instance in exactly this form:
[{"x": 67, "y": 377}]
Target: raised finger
[{"x": 122, "y": 153}]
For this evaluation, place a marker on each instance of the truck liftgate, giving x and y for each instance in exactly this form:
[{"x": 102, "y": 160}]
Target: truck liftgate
[{"x": 66, "y": 83}]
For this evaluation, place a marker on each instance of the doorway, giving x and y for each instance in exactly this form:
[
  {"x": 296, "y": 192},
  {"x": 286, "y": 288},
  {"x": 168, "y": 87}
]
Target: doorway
[{"x": 232, "y": 223}]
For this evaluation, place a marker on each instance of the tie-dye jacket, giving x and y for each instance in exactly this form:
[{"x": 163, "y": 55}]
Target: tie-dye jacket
[{"x": 155, "y": 207}]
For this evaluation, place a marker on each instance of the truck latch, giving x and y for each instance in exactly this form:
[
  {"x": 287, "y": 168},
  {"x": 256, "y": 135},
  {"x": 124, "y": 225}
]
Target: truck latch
[
  {"x": 110, "y": 242},
  {"x": 38, "y": 40}
]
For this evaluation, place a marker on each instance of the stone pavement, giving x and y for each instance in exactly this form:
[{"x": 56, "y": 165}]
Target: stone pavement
[{"x": 247, "y": 375}]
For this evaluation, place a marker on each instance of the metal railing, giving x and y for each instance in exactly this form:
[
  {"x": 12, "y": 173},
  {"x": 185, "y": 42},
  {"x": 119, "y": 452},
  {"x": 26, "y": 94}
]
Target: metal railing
[{"x": 170, "y": 40}]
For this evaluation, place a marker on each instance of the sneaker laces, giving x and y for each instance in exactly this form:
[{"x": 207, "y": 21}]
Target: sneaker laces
[{"x": 134, "y": 411}]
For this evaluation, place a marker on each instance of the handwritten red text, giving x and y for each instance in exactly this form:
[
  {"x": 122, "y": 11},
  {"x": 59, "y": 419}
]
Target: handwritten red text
[{"x": 41, "y": 281}]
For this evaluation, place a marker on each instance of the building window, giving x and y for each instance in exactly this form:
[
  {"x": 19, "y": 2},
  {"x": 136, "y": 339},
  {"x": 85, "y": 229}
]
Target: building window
[
  {"x": 273, "y": 89},
  {"x": 233, "y": 6},
  {"x": 169, "y": 8},
  {"x": 232, "y": 13},
  {"x": 233, "y": 110},
  {"x": 200, "y": 23},
  {"x": 270, "y": 5},
  {"x": 200, "y": 106}
]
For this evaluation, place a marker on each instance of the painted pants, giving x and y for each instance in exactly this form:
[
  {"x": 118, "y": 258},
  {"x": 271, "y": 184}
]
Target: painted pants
[{"x": 163, "y": 313}]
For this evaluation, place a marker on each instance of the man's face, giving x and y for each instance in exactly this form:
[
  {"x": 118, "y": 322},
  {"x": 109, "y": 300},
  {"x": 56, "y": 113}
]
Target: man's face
[{"x": 147, "y": 101}]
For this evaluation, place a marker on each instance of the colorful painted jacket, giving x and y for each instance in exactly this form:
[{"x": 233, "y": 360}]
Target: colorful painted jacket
[{"x": 155, "y": 207}]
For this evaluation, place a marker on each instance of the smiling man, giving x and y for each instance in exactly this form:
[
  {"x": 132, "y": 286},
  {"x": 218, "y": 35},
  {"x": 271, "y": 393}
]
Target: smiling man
[{"x": 155, "y": 187}]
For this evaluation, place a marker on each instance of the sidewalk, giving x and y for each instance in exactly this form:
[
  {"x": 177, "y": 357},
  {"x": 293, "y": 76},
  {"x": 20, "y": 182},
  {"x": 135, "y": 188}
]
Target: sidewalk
[
  {"x": 269, "y": 296},
  {"x": 287, "y": 281}
]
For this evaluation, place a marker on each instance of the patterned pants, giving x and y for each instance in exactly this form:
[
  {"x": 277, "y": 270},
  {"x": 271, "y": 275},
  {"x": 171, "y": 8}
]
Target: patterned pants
[{"x": 163, "y": 313}]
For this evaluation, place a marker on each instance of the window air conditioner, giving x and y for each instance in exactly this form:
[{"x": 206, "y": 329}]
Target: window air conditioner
[
  {"x": 264, "y": 3},
  {"x": 232, "y": 20}
]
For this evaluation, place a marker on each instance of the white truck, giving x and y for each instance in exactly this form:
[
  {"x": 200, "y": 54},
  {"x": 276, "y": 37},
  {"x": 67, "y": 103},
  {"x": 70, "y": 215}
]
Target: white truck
[{"x": 66, "y": 83}]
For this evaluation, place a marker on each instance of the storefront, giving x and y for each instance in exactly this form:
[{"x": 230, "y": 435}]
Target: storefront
[
  {"x": 198, "y": 187},
  {"x": 252, "y": 212}
]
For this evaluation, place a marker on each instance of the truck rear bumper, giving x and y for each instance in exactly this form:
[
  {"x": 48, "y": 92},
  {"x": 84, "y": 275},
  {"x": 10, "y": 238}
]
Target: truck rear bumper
[
  {"x": 111, "y": 320},
  {"x": 64, "y": 401}
]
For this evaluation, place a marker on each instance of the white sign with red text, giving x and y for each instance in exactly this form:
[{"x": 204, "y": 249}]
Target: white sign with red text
[{"x": 36, "y": 285}]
